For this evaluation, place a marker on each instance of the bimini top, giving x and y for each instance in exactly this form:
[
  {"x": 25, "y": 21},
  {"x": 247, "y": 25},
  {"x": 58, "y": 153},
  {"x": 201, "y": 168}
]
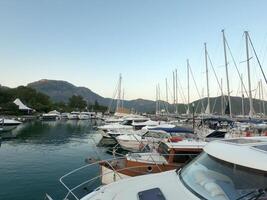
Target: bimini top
[
  {"x": 176, "y": 129},
  {"x": 248, "y": 152}
]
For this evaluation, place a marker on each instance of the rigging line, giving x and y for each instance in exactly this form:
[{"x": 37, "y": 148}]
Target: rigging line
[
  {"x": 242, "y": 82},
  {"x": 216, "y": 77},
  {"x": 191, "y": 72},
  {"x": 257, "y": 58},
  {"x": 215, "y": 101},
  {"x": 181, "y": 92},
  {"x": 113, "y": 97}
]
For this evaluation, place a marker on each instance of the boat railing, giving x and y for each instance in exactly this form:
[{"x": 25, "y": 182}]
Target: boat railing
[
  {"x": 115, "y": 171},
  {"x": 71, "y": 190}
]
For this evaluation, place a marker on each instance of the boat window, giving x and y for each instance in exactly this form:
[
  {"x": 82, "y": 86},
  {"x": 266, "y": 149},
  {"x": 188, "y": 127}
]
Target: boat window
[
  {"x": 127, "y": 122},
  {"x": 164, "y": 150},
  {"x": 182, "y": 157},
  {"x": 155, "y": 134},
  {"x": 212, "y": 178}
]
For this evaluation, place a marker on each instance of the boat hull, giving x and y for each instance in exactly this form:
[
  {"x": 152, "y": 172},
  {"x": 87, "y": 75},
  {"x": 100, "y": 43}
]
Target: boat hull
[{"x": 127, "y": 168}]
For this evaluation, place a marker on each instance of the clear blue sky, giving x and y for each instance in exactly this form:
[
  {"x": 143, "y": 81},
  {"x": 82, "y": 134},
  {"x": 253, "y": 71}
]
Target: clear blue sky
[{"x": 89, "y": 42}]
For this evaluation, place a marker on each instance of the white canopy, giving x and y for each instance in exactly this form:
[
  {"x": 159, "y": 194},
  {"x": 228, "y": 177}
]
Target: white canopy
[
  {"x": 21, "y": 105},
  {"x": 55, "y": 112}
]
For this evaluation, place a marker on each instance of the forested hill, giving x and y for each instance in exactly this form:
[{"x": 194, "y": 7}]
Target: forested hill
[{"x": 62, "y": 91}]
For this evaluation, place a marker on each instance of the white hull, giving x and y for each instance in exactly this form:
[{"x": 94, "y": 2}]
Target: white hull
[
  {"x": 109, "y": 176},
  {"x": 83, "y": 117},
  {"x": 132, "y": 145},
  {"x": 8, "y": 128}
]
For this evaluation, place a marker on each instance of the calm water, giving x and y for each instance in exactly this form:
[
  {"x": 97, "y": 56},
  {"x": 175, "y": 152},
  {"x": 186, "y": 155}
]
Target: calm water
[{"x": 31, "y": 164}]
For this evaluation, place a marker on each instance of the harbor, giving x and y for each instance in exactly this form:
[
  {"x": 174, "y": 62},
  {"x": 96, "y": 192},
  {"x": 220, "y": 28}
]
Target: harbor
[{"x": 133, "y": 100}]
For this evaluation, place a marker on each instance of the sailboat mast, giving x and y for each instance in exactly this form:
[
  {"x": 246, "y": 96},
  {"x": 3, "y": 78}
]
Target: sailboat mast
[
  {"x": 156, "y": 100},
  {"x": 188, "y": 89},
  {"x": 176, "y": 85},
  {"x": 262, "y": 99},
  {"x": 159, "y": 98},
  {"x": 119, "y": 93},
  {"x": 207, "y": 77},
  {"x": 222, "y": 101},
  {"x": 166, "y": 95},
  {"x": 259, "y": 87},
  {"x": 242, "y": 93},
  {"x": 251, "y": 110},
  {"x": 173, "y": 84},
  {"x": 227, "y": 76}
]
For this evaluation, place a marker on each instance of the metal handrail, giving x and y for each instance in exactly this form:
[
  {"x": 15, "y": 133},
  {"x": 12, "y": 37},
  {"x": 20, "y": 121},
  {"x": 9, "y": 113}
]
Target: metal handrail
[
  {"x": 108, "y": 162},
  {"x": 70, "y": 191},
  {"x": 78, "y": 169}
]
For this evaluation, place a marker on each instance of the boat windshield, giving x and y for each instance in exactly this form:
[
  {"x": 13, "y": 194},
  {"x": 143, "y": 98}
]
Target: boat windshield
[{"x": 211, "y": 178}]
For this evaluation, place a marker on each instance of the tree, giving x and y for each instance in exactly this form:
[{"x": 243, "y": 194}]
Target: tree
[{"x": 77, "y": 102}]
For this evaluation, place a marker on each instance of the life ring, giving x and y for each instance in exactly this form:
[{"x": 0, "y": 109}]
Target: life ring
[{"x": 175, "y": 139}]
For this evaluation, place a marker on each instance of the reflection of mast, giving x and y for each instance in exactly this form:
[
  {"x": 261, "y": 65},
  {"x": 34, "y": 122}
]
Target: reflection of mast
[
  {"x": 207, "y": 77},
  {"x": 227, "y": 77},
  {"x": 251, "y": 110}
]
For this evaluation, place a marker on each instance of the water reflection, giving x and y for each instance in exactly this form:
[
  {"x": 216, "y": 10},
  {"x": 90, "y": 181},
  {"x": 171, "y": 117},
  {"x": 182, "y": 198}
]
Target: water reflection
[
  {"x": 53, "y": 132},
  {"x": 44, "y": 151}
]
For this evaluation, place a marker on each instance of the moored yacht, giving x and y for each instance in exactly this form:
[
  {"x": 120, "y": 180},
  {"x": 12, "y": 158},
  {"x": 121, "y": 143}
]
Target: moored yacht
[
  {"x": 126, "y": 124},
  {"x": 168, "y": 156},
  {"x": 221, "y": 172},
  {"x": 8, "y": 124}
]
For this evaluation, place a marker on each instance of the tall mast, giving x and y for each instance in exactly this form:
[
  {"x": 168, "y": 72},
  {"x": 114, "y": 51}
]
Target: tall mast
[
  {"x": 157, "y": 100},
  {"x": 259, "y": 87},
  {"x": 188, "y": 89},
  {"x": 207, "y": 77},
  {"x": 222, "y": 99},
  {"x": 176, "y": 84},
  {"x": 242, "y": 93},
  {"x": 167, "y": 100},
  {"x": 122, "y": 98},
  {"x": 119, "y": 93},
  {"x": 227, "y": 76},
  {"x": 173, "y": 84},
  {"x": 251, "y": 110},
  {"x": 262, "y": 99}
]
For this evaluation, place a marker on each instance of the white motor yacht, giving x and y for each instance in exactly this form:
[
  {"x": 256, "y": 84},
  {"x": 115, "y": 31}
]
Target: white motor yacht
[
  {"x": 137, "y": 142},
  {"x": 221, "y": 172},
  {"x": 8, "y": 124},
  {"x": 73, "y": 115},
  {"x": 126, "y": 124}
]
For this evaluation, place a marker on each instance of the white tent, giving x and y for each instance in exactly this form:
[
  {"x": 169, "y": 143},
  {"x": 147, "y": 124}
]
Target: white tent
[{"x": 21, "y": 105}]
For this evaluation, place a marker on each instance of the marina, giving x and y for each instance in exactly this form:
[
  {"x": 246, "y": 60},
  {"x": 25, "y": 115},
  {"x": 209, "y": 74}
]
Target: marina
[{"x": 133, "y": 100}]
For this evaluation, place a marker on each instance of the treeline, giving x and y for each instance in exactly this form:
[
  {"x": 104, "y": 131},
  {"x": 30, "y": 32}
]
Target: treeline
[{"x": 40, "y": 102}]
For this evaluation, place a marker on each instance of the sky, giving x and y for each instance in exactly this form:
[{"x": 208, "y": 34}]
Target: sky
[{"x": 90, "y": 42}]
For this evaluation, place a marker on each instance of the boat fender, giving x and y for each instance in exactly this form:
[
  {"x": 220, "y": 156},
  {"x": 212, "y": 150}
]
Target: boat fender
[
  {"x": 248, "y": 134},
  {"x": 175, "y": 139}
]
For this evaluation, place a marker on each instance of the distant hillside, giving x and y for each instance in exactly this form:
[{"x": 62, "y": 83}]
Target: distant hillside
[{"x": 62, "y": 91}]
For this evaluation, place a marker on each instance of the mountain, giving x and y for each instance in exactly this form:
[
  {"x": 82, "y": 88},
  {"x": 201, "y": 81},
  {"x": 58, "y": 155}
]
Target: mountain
[{"x": 63, "y": 90}]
